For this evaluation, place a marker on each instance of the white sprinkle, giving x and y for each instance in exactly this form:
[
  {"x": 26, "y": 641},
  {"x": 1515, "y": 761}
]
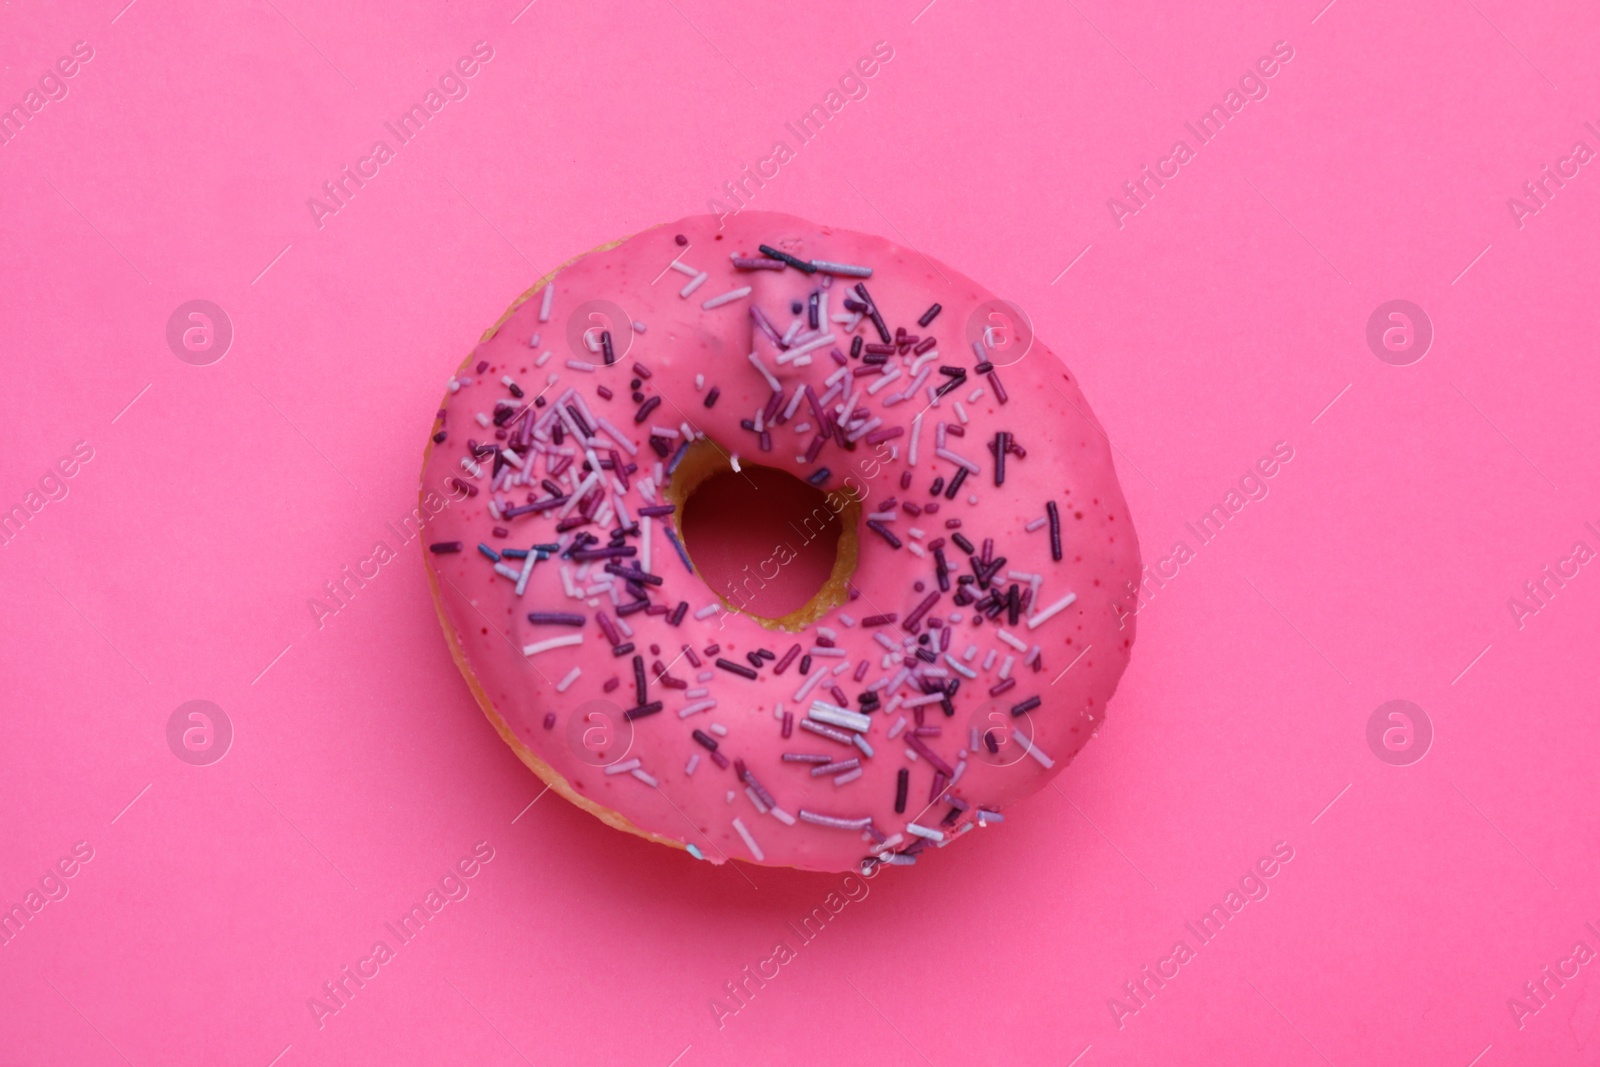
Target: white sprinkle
[
  {"x": 988, "y": 660},
  {"x": 696, "y": 282},
  {"x": 811, "y": 682},
  {"x": 1050, "y": 612},
  {"x": 455, "y": 386},
  {"x": 683, "y": 268},
  {"x": 544, "y": 306},
  {"x": 765, "y": 373},
  {"x": 694, "y": 761},
  {"x": 554, "y": 642},
  {"x": 696, "y": 708},
  {"x": 848, "y": 776},
  {"x": 756, "y": 800},
  {"x": 970, "y": 654},
  {"x": 961, "y": 412},
  {"x": 734, "y": 460},
  {"x": 961, "y": 668},
  {"x": 643, "y": 777},
  {"x": 911, "y": 755},
  {"x": 622, "y": 768},
  {"x": 922, "y": 701},
  {"x": 566, "y": 683},
  {"x": 727, "y": 298},
  {"x": 916, "y": 433},
  {"x": 1012, "y": 640},
  {"x": 1038, "y": 523},
  {"x": 544, "y": 357},
  {"x": 923, "y": 831},
  {"x": 837, "y": 716},
  {"x": 782, "y": 816},
  {"x": 975, "y": 396},
  {"x": 706, "y": 612},
  {"x": 883, "y": 380},
  {"x": 580, "y": 365},
  {"x": 917, "y": 550},
  {"x": 483, "y": 420},
  {"x": 847, "y": 269},
  {"x": 1029, "y": 747},
  {"x": 899, "y": 725},
  {"x": 958, "y": 460},
  {"x": 527, "y": 569},
  {"x": 718, "y": 729},
  {"x": 750, "y": 842},
  {"x": 506, "y": 572},
  {"x": 646, "y": 527},
  {"x": 800, "y": 350}
]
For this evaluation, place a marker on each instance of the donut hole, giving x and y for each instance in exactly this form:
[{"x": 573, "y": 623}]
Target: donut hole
[{"x": 768, "y": 544}]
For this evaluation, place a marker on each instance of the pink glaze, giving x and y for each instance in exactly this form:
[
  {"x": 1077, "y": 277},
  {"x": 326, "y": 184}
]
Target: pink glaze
[{"x": 1083, "y": 647}]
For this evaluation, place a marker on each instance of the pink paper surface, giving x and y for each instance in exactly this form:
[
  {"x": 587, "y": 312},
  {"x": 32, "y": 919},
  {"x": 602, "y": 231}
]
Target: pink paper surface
[{"x": 1225, "y": 316}]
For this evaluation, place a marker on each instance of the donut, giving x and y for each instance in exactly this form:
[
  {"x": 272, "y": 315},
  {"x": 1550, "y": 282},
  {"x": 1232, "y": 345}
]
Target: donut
[{"x": 778, "y": 542}]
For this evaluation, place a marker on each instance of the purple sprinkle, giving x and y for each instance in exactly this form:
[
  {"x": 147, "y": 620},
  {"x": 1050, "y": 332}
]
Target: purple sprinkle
[
  {"x": 788, "y": 658},
  {"x": 556, "y": 618},
  {"x": 442, "y": 547}
]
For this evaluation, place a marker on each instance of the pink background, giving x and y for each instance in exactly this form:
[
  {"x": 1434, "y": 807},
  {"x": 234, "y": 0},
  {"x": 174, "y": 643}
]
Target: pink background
[{"x": 1226, "y": 316}]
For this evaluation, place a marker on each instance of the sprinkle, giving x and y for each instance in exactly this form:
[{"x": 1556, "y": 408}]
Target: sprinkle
[
  {"x": 1026, "y": 706},
  {"x": 961, "y": 461},
  {"x": 757, "y": 263},
  {"x": 553, "y": 642},
  {"x": 727, "y": 298},
  {"x": 923, "y": 831},
  {"x": 884, "y": 532},
  {"x": 696, "y": 708},
  {"x": 835, "y": 821},
  {"x": 838, "y": 716},
  {"x": 1012, "y": 640},
  {"x": 622, "y": 768},
  {"x": 566, "y": 683},
  {"x": 877, "y": 620},
  {"x": 642, "y": 711},
  {"x": 580, "y": 365},
  {"x": 736, "y": 668},
  {"x": 838, "y": 767},
  {"x": 1050, "y": 612},
  {"x": 845, "y": 269},
  {"x": 544, "y": 305},
  {"x": 694, "y": 283},
  {"x": 825, "y": 731},
  {"x": 921, "y": 749},
  {"x": 440, "y": 548},
  {"x": 750, "y": 842},
  {"x": 706, "y": 612},
  {"x": 1031, "y": 749},
  {"x": 1054, "y": 518},
  {"x": 798, "y": 264},
  {"x": 920, "y": 610},
  {"x": 694, "y": 761},
  {"x": 929, "y": 315},
  {"x": 755, "y": 360}
]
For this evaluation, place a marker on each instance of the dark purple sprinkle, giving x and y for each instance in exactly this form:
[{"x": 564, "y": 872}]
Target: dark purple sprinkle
[
  {"x": 622, "y": 650},
  {"x": 955, "y": 484},
  {"x": 838, "y": 696},
  {"x": 788, "y": 658},
  {"x": 757, "y": 263},
  {"x": 578, "y": 420},
  {"x": 755, "y": 661},
  {"x": 646, "y": 408},
  {"x": 920, "y": 610},
  {"x": 879, "y": 350},
  {"x": 678, "y": 612},
  {"x": 773, "y": 406},
  {"x": 798, "y": 264},
  {"x": 440, "y": 548},
  {"x": 999, "y": 390},
  {"x": 1001, "y": 686},
  {"x": 605, "y": 347},
  {"x": 688, "y": 654},
  {"x": 711, "y": 397},
  {"x": 556, "y": 618},
  {"x": 736, "y": 668},
  {"x": 439, "y": 437},
  {"x": 950, "y": 386},
  {"x": 788, "y": 723},
  {"x": 549, "y": 720},
  {"x": 923, "y": 345},
  {"x": 855, "y": 345},
  {"x": 929, "y": 315},
  {"x": 811, "y": 311},
  {"x": 902, "y": 783},
  {"x": 605, "y": 393},
  {"x": 681, "y": 239},
  {"x": 1055, "y": 529},
  {"x": 641, "y": 370},
  {"x": 538, "y": 505},
  {"x": 640, "y": 685},
  {"x": 705, "y": 739},
  {"x": 613, "y": 682},
  {"x": 877, "y": 620},
  {"x": 805, "y": 663},
  {"x": 961, "y": 540},
  {"x": 657, "y": 509},
  {"x": 642, "y": 710},
  {"x": 1000, "y": 440},
  {"x": 884, "y": 532},
  {"x": 609, "y": 628},
  {"x": 821, "y": 475},
  {"x": 1026, "y": 706},
  {"x": 937, "y": 486}
]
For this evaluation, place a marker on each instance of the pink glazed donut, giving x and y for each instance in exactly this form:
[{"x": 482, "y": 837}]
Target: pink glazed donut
[{"x": 778, "y": 542}]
